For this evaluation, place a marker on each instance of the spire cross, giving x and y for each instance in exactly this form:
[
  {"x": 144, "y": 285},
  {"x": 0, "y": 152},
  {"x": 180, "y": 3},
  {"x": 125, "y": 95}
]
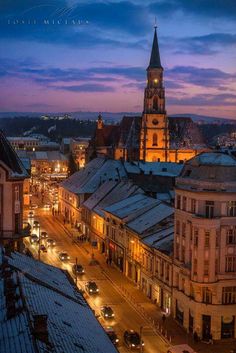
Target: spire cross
[{"x": 155, "y": 23}]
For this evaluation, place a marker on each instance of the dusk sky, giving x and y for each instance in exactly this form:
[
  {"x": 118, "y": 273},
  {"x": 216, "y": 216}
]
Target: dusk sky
[{"x": 100, "y": 64}]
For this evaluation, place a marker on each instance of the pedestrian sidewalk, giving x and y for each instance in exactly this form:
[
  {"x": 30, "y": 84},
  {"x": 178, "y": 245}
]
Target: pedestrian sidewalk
[{"x": 169, "y": 329}]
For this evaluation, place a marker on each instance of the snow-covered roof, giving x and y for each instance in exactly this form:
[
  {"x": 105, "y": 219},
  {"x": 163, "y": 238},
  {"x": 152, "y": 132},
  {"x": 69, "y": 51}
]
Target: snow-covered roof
[
  {"x": 154, "y": 239},
  {"x": 214, "y": 158},
  {"x": 155, "y": 168},
  {"x": 150, "y": 218},
  {"x": 40, "y": 272},
  {"x": 109, "y": 193},
  {"x": 71, "y": 325},
  {"x": 95, "y": 173},
  {"x": 132, "y": 206}
]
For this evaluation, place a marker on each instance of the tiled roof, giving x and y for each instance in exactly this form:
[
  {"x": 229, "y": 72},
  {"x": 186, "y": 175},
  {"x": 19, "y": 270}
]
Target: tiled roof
[
  {"x": 29, "y": 288},
  {"x": 150, "y": 218},
  {"x": 95, "y": 173},
  {"x": 131, "y": 207}
]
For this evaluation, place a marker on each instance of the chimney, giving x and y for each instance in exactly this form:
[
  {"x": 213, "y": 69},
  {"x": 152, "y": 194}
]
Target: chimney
[{"x": 40, "y": 328}]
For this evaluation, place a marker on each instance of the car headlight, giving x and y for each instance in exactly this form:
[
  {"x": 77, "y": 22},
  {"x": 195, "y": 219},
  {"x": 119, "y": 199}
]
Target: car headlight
[
  {"x": 112, "y": 315},
  {"x": 117, "y": 340},
  {"x": 97, "y": 290},
  {"x": 62, "y": 257},
  {"x": 142, "y": 343},
  {"x": 133, "y": 345},
  {"x": 106, "y": 315},
  {"x": 68, "y": 257},
  {"x": 90, "y": 290},
  {"x": 82, "y": 271}
]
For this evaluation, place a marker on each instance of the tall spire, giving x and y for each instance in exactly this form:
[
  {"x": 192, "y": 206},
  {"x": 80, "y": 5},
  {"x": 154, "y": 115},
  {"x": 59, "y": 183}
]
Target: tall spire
[{"x": 155, "y": 60}]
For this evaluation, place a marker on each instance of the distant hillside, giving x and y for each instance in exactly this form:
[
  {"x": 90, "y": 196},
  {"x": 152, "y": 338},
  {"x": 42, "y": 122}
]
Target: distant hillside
[
  {"x": 115, "y": 117},
  {"x": 54, "y": 129}
]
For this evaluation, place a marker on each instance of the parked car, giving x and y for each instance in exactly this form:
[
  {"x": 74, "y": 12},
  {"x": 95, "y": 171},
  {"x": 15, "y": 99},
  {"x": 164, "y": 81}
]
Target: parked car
[
  {"x": 107, "y": 312},
  {"x": 36, "y": 224},
  {"x": 44, "y": 235},
  {"x": 132, "y": 339},
  {"x": 34, "y": 239},
  {"x": 47, "y": 206},
  {"x": 77, "y": 269},
  {"x": 33, "y": 206},
  {"x": 112, "y": 335},
  {"x": 63, "y": 256},
  {"x": 43, "y": 248},
  {"x": 50, "y": 242},
  {"x": 31, "y": 214},
  {"x": 91, "y": 288}
]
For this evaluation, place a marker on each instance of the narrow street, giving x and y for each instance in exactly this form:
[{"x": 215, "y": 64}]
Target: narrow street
[{"x": 126, "y": 317}]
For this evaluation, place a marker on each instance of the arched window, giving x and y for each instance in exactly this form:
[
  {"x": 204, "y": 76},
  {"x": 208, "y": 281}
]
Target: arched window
[
  {"x": 154, "y": 139},
  {"x": 155, "y": 103}
]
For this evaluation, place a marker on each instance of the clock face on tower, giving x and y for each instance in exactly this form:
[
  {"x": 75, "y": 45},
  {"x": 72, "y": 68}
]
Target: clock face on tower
[
  {"x": 155, "y": 121},
  {"x": 155, "y": 80}
]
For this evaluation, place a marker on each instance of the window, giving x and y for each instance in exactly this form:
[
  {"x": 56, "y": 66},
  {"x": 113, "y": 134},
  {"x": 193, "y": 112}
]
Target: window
[
  {"x": 207, "y": 239},
  {"x": 195, "y": 266},
  {"x": 178, "y": 227},
  {"x": 183, "y": 254},
  {"x": 184, "y": 229},
  {"x": 229, "y": 295},
  {"x": 154, "y": 139},
  {"x": 178, "y": 202},
  {"x": 184, "y": 203},
  {"x": 177, "y": 251},
  {"x": 193, "y": 206},
  {"x": 231, "y": 209},
  {"x": 155, "y": 103},
  {"x": 206, "y": 295},
  {"x": 195, "y": 237},
  {"x": 209, "y": 209},
  {"x": 206, "y": 268},
  {"x": 167, "y": 272},
  {"x": 230, "y": 264},
  {"x": 231, "y": 236}
]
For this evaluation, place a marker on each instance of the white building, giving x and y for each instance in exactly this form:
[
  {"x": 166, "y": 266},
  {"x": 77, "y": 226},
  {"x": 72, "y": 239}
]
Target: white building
[{"x": 204, "y": 273}]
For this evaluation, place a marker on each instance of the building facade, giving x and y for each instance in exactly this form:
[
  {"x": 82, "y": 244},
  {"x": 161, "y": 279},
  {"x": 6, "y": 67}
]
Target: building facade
[
  {"x": 204, "y": 270},
  {"x": 12, "y": 176}
]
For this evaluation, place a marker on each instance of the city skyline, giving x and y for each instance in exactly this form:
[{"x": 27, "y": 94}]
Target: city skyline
[{"x": 95, "y": 58}]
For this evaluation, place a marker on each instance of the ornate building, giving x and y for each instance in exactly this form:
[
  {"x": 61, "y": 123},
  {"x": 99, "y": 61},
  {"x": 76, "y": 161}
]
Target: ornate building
[
  {"x": 154, "y": 141},
  {"x": 153, "y": 136},
  {"x": 204, "y": 268}
]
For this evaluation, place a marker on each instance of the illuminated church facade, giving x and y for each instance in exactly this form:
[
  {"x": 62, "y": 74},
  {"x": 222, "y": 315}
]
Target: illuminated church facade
[{"x": 153, "y": 136}]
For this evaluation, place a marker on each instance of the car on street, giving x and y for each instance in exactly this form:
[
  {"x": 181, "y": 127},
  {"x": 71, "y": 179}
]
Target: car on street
[
  {"x": 36, "y": 224},
  {"x": 63, "y": 256},
  {"x": 132, "y": 339},
  {"x": 43, "y": 248},
  {"x": 112, "y": 335},
  {"x": 33, "y": 206},
  {"x": 47, "y": 206},
  {"x": 91, "y": 287},
  {"x": 44, "y": 235},
  {"x": 50, "y": 242},
  {"x": 31, "y": 214},
  {"x": 107, "y": 312},
  {"x": 34, "y": 239},
  {"x": 77, "y": 269}
]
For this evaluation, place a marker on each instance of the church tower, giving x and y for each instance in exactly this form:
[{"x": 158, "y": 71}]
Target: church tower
[{"x": 154, "y": 139}]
